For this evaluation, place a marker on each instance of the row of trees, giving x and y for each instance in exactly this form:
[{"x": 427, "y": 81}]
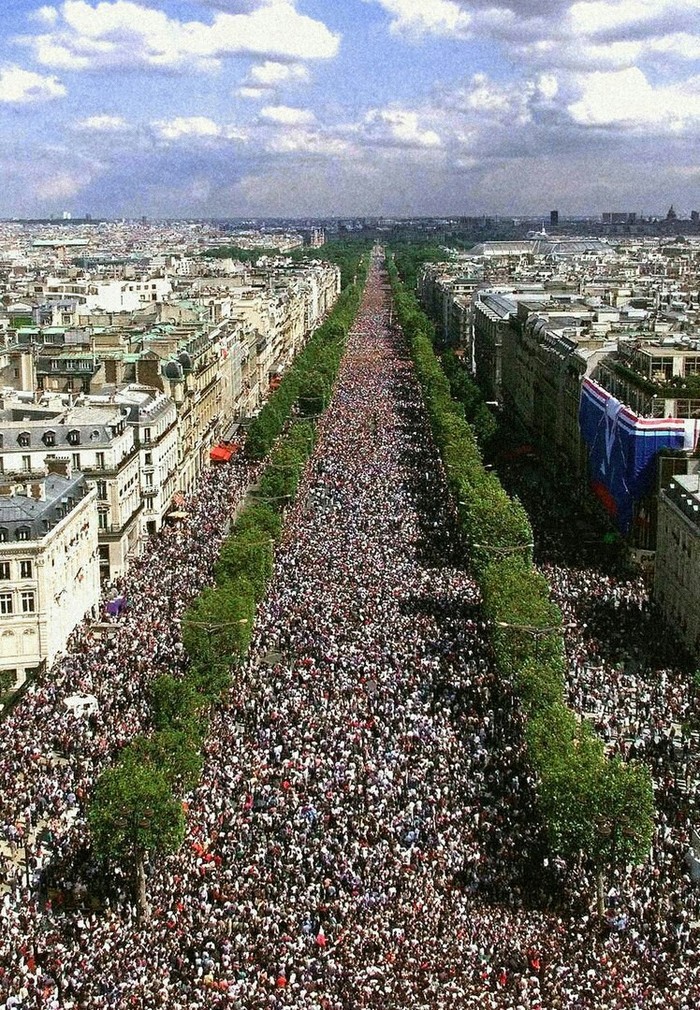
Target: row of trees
[
  {"x": 594, "y": 808},
  {"x": 137, "y": 807},
  {"x": 343, "y": 252}
]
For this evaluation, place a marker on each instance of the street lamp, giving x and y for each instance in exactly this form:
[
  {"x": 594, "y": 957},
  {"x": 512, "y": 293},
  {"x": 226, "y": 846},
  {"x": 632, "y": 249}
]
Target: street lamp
[
  {"x": 535, "y": 630},
  {"x": 503, "y": 550}
]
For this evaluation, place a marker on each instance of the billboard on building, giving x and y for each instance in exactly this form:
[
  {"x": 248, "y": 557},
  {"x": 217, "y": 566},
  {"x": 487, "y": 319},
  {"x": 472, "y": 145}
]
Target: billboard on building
[{"x": 622, "y": 450}]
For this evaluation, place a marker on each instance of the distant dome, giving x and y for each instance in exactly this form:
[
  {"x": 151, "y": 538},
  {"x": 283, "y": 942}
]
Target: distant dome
[{"x": 173, "y": 370}]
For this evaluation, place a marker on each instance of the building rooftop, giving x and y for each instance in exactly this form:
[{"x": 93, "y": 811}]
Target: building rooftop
[{"x": 38, "y": 507}]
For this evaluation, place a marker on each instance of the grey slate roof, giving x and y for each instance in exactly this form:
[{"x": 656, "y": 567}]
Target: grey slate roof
[{"x": 20, "y": 511}]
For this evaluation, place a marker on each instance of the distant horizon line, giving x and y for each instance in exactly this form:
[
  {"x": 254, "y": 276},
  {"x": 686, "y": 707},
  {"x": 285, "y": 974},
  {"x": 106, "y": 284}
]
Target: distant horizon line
[{"x": 541, "y": 217}]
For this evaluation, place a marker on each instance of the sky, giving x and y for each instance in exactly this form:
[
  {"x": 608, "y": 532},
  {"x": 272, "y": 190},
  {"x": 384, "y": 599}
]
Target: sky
[{"x": 310, "y": 108}]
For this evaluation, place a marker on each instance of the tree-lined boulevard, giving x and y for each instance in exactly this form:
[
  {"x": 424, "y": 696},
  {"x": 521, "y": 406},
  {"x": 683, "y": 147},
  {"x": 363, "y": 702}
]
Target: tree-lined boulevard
[{"x": 367, "y": 829}]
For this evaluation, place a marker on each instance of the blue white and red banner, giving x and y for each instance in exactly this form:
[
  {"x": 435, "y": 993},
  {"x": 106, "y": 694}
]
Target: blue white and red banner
[{"x": 622, "y": 449}]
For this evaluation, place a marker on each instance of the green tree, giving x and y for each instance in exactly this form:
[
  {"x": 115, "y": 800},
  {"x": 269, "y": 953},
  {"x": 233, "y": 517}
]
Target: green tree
[
  {"x": 261, "y": 518},
  {"x": 174, "y": 703},
  {"x": 540, "y": 685},
  {"x": 247, "y": 553},
  {"x": 623, "y": 817},
  {"x": 216, "y": 632},
  {"x": 172, "y": 753},
  {"x": 133, "y": 814},
  {"x": 314, "y": 393}
]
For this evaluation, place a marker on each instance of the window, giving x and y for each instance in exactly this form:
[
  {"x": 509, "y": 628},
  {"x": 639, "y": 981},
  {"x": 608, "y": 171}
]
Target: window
[
  {"x": 28, "y": 602},
  {"x": 24, "y": 439},
  {"x": 149, "y": 479},
  {"x": 146, "y": 436},
  {"x": 23, "y": 533},
  {"x": 100, "y": 460},
  {"x": 5, "y": 603},
  {"x": 102, "y": 489},
  {"x": 148, "y": 459},
  {"x": 663, "y": 366},
  {"x": 49, "y": 438},
  {"x": 27, "y": 463},
  {"x": 25, "y": 569},
  {"x": 73, "y": 437},
  {"x": 3, "y": 535},
  {"x": 4, "y": 570},
  {"x": 102, "y": 517},
  {"x": 2, "y": 465},
  {"x": 75, "y": 460}
]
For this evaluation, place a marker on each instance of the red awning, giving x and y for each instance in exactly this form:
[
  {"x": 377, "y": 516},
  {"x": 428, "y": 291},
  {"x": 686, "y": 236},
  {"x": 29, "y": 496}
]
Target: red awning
[{"x": 221, "y": 453}]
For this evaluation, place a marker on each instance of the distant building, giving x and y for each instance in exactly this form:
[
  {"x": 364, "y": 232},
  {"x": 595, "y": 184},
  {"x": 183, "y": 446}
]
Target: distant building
[
  {"x": 446, "y": 291},
  {"x": 554, "y": 219},
  {"x": 316, "y": 237},
  {"x": 49, "y": 568},
  {"x": 619, "y": 217},
  {"x": 492, "y": 318},
  {"x": 677, "y": 574}
]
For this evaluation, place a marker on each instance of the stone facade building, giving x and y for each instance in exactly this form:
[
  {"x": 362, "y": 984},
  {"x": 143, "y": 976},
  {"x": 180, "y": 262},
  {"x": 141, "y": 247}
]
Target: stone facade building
[
  {"x": 49, "y": 567},
  {"x": 677, "y": 569}
]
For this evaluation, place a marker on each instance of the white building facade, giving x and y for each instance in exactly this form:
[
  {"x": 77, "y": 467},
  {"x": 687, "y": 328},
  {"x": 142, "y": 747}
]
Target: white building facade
[{"x": 49, "y": 569}]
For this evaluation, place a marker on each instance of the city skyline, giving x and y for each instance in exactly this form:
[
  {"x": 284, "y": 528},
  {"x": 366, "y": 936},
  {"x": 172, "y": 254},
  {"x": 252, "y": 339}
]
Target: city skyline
[{"x": 262, "y": 108}]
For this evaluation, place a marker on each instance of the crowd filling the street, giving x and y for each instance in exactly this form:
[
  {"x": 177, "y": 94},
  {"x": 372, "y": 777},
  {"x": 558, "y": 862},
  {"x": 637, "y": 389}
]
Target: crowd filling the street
[{"x": 365, "y": 830}]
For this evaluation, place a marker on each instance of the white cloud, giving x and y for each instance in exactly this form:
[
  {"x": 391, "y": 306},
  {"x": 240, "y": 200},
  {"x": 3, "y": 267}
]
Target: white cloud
[
  {"x": 395, "y": 127},
  {"x": 287, "y": 115},
  {"x": 199, "y": 127},
  {"x": 125, "y": 33},
  {"x": 427, "y": 17},
  {"x": 679, "y": 44},
  {"x": 626, "y": 98},
  {"x": 548, "y": 86},
  {"x": 60, "y": 186},
  {"x": 25, "y": 87},
  {"x": 272, "y": 74},
  {"x": 309, "y": 143},
  {"x": 484, "y": 102},
  {"x": 593, "y": 17},
  {"x": 103, "y": 124},
  {"x": 601, "y": 34},
  {"x": 254, "y": 93},
  {"x": 45, "y": 15}
]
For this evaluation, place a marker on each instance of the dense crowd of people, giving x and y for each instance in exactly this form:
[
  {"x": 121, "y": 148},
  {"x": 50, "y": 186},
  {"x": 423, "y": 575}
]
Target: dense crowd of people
[{"x": 365, "y": 831}]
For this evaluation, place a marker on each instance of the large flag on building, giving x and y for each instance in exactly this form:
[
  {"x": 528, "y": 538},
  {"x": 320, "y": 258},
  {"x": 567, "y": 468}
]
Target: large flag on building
[{"x": 622, "y": 449}]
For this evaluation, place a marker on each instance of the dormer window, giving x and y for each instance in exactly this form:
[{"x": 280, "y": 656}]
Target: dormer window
[
  {"x": 24, "y": 439},
  {"x": 49, "y": 438},
  {"x": 74, "y": 437},
  {"x": 23, "y": 533},
  {"x": 94, "y": 435},
  {"x": 3, "y": 535}
]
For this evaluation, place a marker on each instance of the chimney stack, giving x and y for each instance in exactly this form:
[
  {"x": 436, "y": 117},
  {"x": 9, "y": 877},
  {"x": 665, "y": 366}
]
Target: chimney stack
[{"x": 60, "y": 465}]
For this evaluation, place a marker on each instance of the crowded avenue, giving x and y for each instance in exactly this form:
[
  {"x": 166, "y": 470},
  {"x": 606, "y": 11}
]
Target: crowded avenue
[{"x": 365, "y": 831}]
